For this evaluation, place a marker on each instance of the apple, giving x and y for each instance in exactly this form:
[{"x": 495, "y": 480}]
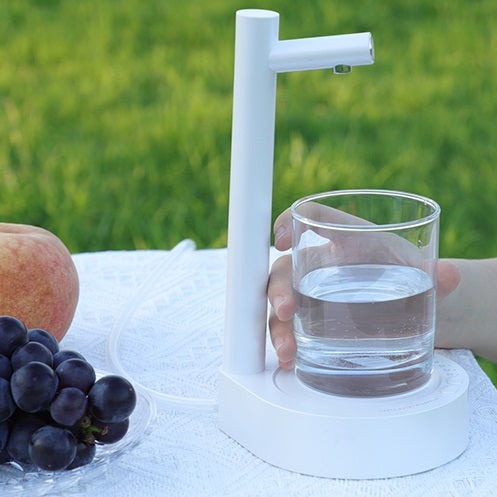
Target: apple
[{"x": 38, "y": 279}]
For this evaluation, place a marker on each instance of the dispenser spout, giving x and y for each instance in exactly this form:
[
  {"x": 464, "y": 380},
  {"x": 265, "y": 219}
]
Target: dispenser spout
[{"x": 322, "y": 52}]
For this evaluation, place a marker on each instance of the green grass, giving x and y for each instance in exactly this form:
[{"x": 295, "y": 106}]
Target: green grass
[{"x": 115, "y": 116}]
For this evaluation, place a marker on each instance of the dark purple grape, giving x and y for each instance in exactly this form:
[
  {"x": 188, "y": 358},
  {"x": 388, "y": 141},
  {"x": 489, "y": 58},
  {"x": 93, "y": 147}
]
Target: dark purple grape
[
  {"x": 5, "y": 367},
  {"x": 110, "y": 432},
  {"x": 33, "y": 386},
  {"x": 84, "y": 455},
  {"x": 111, "y": 399},
  {"x": 22, "y": 428},
  {"x": 45, "y": 338},
  {"x": 52, "y": 448},
  {"x": 76, "y": 373},
  {"x": 13, "y": 334},
  {"x": 7, "y": 405},
  {"x": 4, "y": 456},
  {"x": 69, "y": 406},
  {"x": 4, "y": 434},
  {"x": 64, "y": 355},
  {"x": 29, "y": 352}
]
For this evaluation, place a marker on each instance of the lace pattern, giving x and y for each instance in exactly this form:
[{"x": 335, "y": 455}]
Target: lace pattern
[{"x": 172, "y": 343}]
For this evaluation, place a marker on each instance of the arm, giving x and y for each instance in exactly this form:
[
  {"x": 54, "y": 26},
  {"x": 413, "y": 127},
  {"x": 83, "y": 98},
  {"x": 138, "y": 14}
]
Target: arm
[{"x": 467, "y": 316}]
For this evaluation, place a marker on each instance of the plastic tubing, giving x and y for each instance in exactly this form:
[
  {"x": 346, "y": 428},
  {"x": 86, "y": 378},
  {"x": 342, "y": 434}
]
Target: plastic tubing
[{"x": 159, "y": 274}]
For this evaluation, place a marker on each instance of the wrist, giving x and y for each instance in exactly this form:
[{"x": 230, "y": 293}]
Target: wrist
[{"x": 467, "y": 317}]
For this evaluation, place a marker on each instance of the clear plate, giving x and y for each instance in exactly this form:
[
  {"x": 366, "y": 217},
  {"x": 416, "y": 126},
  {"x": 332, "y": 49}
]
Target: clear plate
[{"x": 15, "y": 481}]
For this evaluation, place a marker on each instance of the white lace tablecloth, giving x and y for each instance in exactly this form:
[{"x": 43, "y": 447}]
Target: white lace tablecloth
[{"x": 167, "y": 310}]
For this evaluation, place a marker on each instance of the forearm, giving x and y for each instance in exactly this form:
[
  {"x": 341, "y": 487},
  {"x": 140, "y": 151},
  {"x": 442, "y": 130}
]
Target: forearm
[{"x": 467, "y": 318}]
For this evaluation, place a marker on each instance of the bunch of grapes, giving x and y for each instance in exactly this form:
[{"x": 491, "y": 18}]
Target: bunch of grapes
[{"x": 53, "y": 410}]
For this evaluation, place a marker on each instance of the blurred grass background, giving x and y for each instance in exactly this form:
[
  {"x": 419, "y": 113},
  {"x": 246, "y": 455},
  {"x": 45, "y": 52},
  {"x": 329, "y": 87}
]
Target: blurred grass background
[{"x": 115, "y": 117}]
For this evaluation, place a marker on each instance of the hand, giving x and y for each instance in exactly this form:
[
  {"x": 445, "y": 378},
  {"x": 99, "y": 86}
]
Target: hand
[{"x": 280, "y": 292}]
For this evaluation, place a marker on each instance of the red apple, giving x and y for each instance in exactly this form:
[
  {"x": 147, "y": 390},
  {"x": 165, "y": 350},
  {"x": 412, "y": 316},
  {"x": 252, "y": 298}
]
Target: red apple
[{"x": 38, "y": 279}]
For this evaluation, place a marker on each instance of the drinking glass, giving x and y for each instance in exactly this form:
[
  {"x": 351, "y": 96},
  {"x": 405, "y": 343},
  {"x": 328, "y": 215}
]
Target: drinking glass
[{"x": 364, "y": 278}]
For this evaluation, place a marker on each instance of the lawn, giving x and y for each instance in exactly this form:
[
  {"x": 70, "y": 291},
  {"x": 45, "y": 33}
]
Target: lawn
[{"x": 115, "y": 116}]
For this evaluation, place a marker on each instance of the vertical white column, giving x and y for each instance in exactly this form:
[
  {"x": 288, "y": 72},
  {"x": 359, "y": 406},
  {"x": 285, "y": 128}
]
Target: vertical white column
[{"x": 249, "y": 227}]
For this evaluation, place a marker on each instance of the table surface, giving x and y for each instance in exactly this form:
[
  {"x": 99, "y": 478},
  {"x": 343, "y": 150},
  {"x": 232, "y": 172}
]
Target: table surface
[{"x": 158, "y": 317}]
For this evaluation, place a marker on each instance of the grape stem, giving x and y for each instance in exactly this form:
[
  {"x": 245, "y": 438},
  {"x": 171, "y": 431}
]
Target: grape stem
[{"x": 89, "y": 430}]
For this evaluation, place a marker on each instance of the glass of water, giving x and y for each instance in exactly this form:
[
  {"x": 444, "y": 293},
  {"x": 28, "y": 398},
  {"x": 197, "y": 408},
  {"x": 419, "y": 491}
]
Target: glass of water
[{"x": 364, "y": 278}]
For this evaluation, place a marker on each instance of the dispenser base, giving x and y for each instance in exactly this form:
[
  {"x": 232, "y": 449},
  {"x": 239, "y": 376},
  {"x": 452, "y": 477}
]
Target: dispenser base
[{"x": 293, "y": 427}]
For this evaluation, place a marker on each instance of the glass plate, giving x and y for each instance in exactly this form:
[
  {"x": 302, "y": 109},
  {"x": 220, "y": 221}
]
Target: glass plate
[{"x": 15, "y": 481}]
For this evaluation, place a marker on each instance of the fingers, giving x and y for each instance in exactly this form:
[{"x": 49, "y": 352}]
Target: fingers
[
  {"x": 283, "y": 231},
  {"x": 283, "y": 341},
  {"x": 448, "y": 278},
  {"x": 283, "y": 223},
  {"x": 280, "y": 291},
  {"x": 280, "y": 294}
]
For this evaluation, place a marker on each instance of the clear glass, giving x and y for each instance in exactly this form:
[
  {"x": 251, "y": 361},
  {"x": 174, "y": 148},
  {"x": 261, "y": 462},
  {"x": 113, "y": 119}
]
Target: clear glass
[{"x": 364, "y": 278}]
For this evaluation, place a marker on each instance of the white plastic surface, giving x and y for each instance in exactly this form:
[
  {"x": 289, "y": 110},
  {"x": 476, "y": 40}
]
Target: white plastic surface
[{"x": 293, "y": 427}]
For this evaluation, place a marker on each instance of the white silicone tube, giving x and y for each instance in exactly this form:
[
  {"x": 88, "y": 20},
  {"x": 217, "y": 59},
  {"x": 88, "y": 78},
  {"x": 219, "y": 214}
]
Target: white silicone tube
[{"x": 159, "y": 275}]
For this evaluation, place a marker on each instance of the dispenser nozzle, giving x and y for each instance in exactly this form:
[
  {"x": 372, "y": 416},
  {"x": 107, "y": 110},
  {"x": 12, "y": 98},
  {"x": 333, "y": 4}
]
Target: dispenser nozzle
[
  {"x": 323, "y": 52},
  {"x": 342, "y": 69}
]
